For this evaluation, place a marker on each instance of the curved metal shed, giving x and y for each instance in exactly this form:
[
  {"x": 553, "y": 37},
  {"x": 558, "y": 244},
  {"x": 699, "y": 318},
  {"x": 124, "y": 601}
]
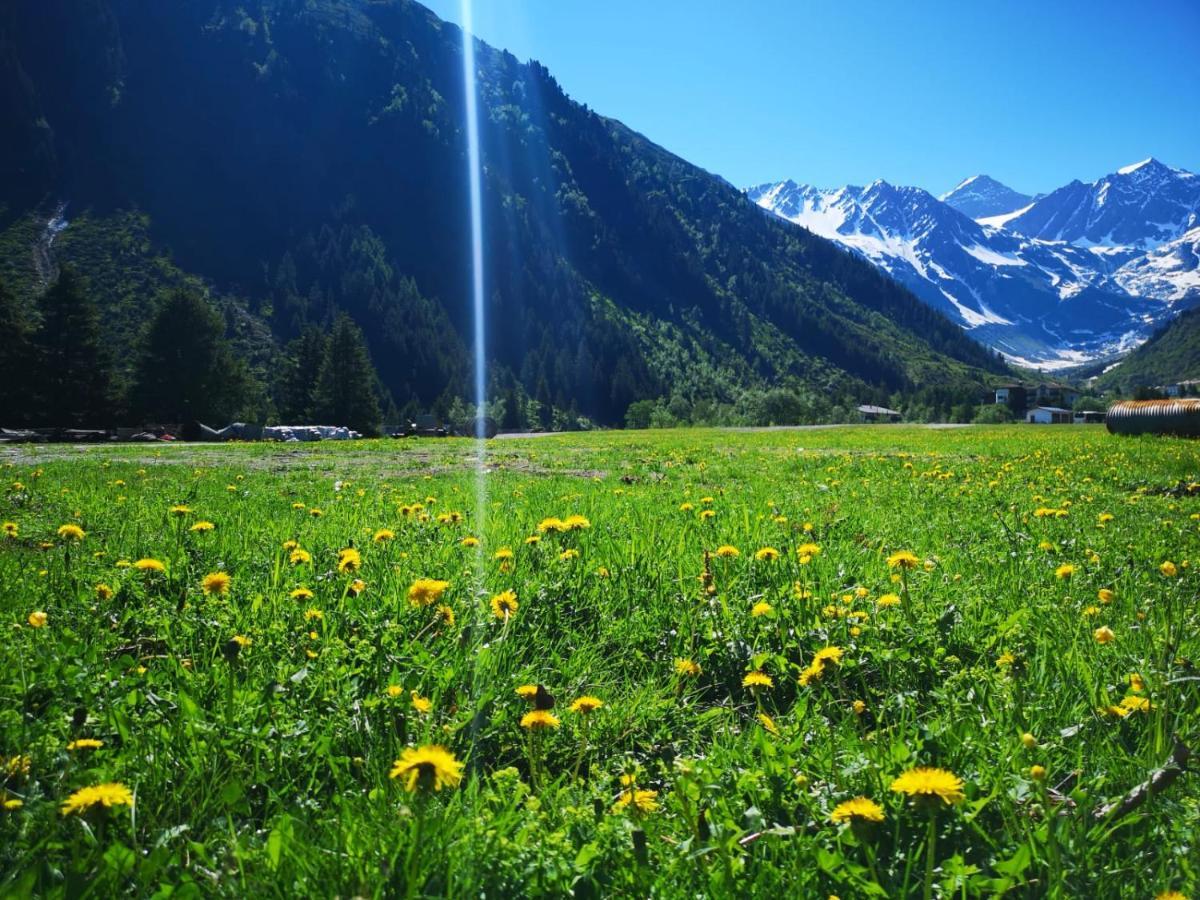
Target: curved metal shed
[{"x": 1178, "y": 417}]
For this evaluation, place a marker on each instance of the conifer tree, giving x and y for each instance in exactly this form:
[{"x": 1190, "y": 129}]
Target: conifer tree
[
  {"x": 186, "y": 371},
  {"x": 16, "y": 358},
  {"x": 302, "y": 364},
  {"x": 72, "y": 368},
  {"x": 345, "y": 390}
]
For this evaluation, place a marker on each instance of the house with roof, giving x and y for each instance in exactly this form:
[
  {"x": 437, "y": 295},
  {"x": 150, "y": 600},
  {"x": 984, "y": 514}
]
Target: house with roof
[
  {"x": 869, "y": 413},
  {"x": 1049, "y": 415}
]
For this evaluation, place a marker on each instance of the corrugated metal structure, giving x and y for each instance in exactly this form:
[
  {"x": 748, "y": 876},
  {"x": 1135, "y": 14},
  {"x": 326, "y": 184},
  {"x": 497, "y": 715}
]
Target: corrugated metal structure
[{"x": 1178, "y": 417}]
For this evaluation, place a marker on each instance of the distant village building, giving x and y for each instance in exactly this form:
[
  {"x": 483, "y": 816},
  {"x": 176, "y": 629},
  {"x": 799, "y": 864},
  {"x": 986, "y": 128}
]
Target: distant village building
[
  {"x": 1013, "y": 396},
  {"x": 1021, "y": 397},
  {"x": 1049, "y": 415},
  {"x": 1089, "y": 417},
  {"x": 1182, "y": 388},
  {"x": 869, "y": 413}
]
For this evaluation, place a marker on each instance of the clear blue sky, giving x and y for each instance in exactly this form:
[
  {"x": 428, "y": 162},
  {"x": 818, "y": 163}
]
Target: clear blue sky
[{"x": 847, "y": 91}]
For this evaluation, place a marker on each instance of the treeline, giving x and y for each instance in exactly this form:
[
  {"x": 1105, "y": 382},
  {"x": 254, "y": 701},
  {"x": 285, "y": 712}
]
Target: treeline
[{"x": 59, "y": 371}]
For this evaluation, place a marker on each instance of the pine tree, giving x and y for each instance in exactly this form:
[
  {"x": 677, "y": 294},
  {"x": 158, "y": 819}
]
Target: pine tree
[
  {"x": 72, "y": 368},
  {"x": 186, "y": 371},
  {"x": 345, "y": 390},
  {"x": 16, "y": 358},
  {"x": 299, "y": 378}
]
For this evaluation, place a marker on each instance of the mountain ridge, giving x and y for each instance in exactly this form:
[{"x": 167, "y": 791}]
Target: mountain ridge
[
  {"x": 1044, "y": 303},
  {"x": 310, "y": 158}
]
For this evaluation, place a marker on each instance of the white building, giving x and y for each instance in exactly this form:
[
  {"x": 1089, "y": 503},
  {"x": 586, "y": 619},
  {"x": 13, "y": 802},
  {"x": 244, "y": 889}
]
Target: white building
[{"x": 1049, "y": 415}]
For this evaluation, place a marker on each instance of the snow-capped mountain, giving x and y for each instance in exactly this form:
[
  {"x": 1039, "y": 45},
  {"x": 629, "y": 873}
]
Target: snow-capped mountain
[
  {"x": 1052, "y": 303},
  {"x": 980, "y": 196},
  {"x": 1142, "y": 205}
]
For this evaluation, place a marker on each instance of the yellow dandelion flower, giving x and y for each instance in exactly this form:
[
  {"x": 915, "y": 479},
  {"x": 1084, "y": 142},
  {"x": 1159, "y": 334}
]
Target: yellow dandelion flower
[
  {"x": 1104, "y": 595},
  {"x": 539, "y": 719},
  {"x": 85, "y": 744},
  {"x": 315, "y": 513},
  {"x": 527, "y": 691},
  {"x": 299, "y": 556},
  {"x": 553, "y": 523},
  {"x": 1037, "y": 773},
  {"x": 216, "y": 583},
  {"x": 312, "y": 614},
  {"x": 502, "y": 554},
  {"x": 150, "y": 565},
  {"x": 469, "y": 541},
  {"x": 301, "y": 593},
  {"x": 69, "y": 532},
  {"x": 181, "y": 510},
  {"x": 349, "y": 560},
  {"x": 1104, "y": 635},
  {"x": 1168, "y": 569},
  {"x": 11, "y": 529},
  {"x": 356, "y": 587},
  {"x": 103, "y": 592},
  {"x": 886, "y": 600},
  {"x": 829, "y": 655},
  {"x": 425, "y": 591},
  {"x": 858, "y": 809},
  {"x": 706, "y": 514},
  {"x": 728, "y": 551},
  {"x": 766, "y": 554},
  {"x": 576, "y": 523},
  {"x": 768, "y": 723},
  {"x": 421, "y": 704},
  {"x": 446, "y": 614},
  {"x": 37, "y": 619},
  {"x": 761, "y": 608},
  {"x": 430, "y": 767},
  {"x": 105, "y": 795},
  {"x": 1028, "y": 741},
  {"x": 757, "y": 679},
  {"x": 641, "y": 801},
  {"x": 383, "y": 535},
  {"x": 202, "y": 526},
  {"x": 686, "y": 668},
  {"x": 926, "y": 782},
  {"x": 504, "y": 604},
  {"x": 586, "y": 704},
  {"x": 1136, "y": 704},
  {"x": 394, "y": 691},
  {"x": 810, "y": 550},
  {"x": 569, "y": 553},
  {"x": 1066, "y": 570},
  {"x": 903, "y": 559},
  {"x": 859, "y": 707},
  {"x": 812, "y": 672}
]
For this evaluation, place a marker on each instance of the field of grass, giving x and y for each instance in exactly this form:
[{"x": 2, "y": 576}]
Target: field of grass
[{"x": 1013, "y": 606}]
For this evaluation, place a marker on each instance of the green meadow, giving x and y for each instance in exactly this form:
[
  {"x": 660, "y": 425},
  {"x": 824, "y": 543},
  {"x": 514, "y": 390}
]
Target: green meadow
[{"x": 871, "y": 661}]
